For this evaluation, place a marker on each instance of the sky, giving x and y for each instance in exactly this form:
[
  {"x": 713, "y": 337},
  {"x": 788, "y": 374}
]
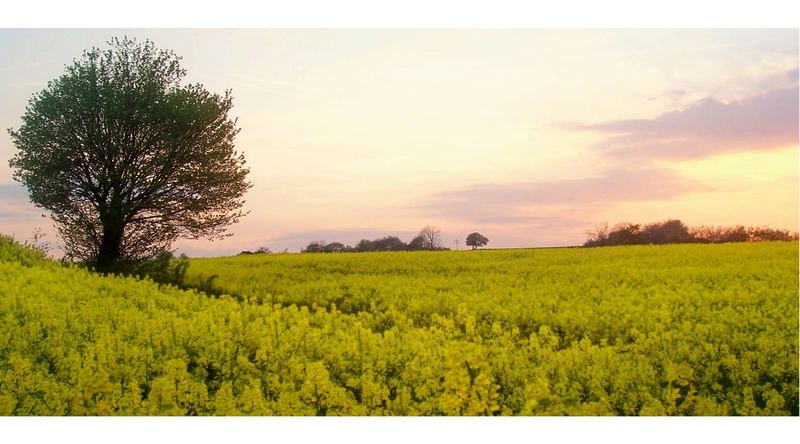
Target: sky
[{"x": 530, "y": 137}]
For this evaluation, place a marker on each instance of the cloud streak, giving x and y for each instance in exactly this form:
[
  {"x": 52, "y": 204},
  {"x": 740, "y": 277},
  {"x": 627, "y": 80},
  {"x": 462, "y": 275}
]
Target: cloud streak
[
  {"x": 706, "y": 128},
  {"x": 522, "y": 203}
]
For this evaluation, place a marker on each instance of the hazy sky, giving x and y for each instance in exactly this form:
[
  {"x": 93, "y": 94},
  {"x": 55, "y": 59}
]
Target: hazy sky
[{"x": 530, "y": 137}]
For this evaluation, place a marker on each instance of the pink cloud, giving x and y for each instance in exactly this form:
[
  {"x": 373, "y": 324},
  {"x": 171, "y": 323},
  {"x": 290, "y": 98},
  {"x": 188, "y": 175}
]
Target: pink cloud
[
  {"x": 709, "y": 127},
  {"x": 517, "y": 203}
]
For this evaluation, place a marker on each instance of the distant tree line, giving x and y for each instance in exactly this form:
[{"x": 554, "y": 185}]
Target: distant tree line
[
  {"x": 676, "y": 232},
  {"x": 429, "y": 238},
  {"x": 260, "y": 250}
]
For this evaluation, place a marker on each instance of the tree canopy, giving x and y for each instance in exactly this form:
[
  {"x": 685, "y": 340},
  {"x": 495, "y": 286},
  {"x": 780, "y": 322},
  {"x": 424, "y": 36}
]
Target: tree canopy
[
  {"x": 127, "y": 159},
  {"x": 476, "y": 240}
]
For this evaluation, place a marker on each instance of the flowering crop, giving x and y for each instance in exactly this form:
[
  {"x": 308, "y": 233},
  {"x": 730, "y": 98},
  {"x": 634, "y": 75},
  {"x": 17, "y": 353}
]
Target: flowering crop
[{"x": 667, "y": 330}]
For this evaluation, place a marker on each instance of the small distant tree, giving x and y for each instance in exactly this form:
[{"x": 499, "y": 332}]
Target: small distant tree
[
  {"x": 718, "y": 235},
  {"x": 334, "y": 247},
  {"x": 625, "y": 234},
  {"x": 390, "y": 243},
  {"x": 760, "y": 234},
  {"x": 416, "y": 244},
  {"x": 365, "y": 245},
  {"x": 598, "y": 236},
  {"x": 667, "y": 232},
  {"x": 735, "y": 234},
  {"x": 431, "y": 238},
  {"x": 315, "y": 247},
  {"x": 263, "y": 250},
  {"x": 476, "y": 240}
]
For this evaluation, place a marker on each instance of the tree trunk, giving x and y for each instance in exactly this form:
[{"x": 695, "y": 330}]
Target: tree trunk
[{"x": 110, "y": 246}]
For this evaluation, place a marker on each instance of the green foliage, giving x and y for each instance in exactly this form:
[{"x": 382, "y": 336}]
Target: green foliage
[
  {"x": 126, "y": 158},
  {"x": 644, "y": 330},
  {"x": 476, "y": 240}
]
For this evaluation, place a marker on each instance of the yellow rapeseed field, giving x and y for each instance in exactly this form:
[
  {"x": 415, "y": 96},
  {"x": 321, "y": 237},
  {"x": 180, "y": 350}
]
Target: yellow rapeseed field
[{"x": 643, "y": 330}]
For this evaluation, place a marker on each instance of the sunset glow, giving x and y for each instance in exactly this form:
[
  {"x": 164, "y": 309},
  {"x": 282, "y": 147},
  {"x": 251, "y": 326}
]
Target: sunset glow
[{"x": 530, "y": 137}]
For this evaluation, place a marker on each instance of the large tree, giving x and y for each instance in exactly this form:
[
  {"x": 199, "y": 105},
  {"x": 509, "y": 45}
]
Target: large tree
[{"x": 126, "y": 158}]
